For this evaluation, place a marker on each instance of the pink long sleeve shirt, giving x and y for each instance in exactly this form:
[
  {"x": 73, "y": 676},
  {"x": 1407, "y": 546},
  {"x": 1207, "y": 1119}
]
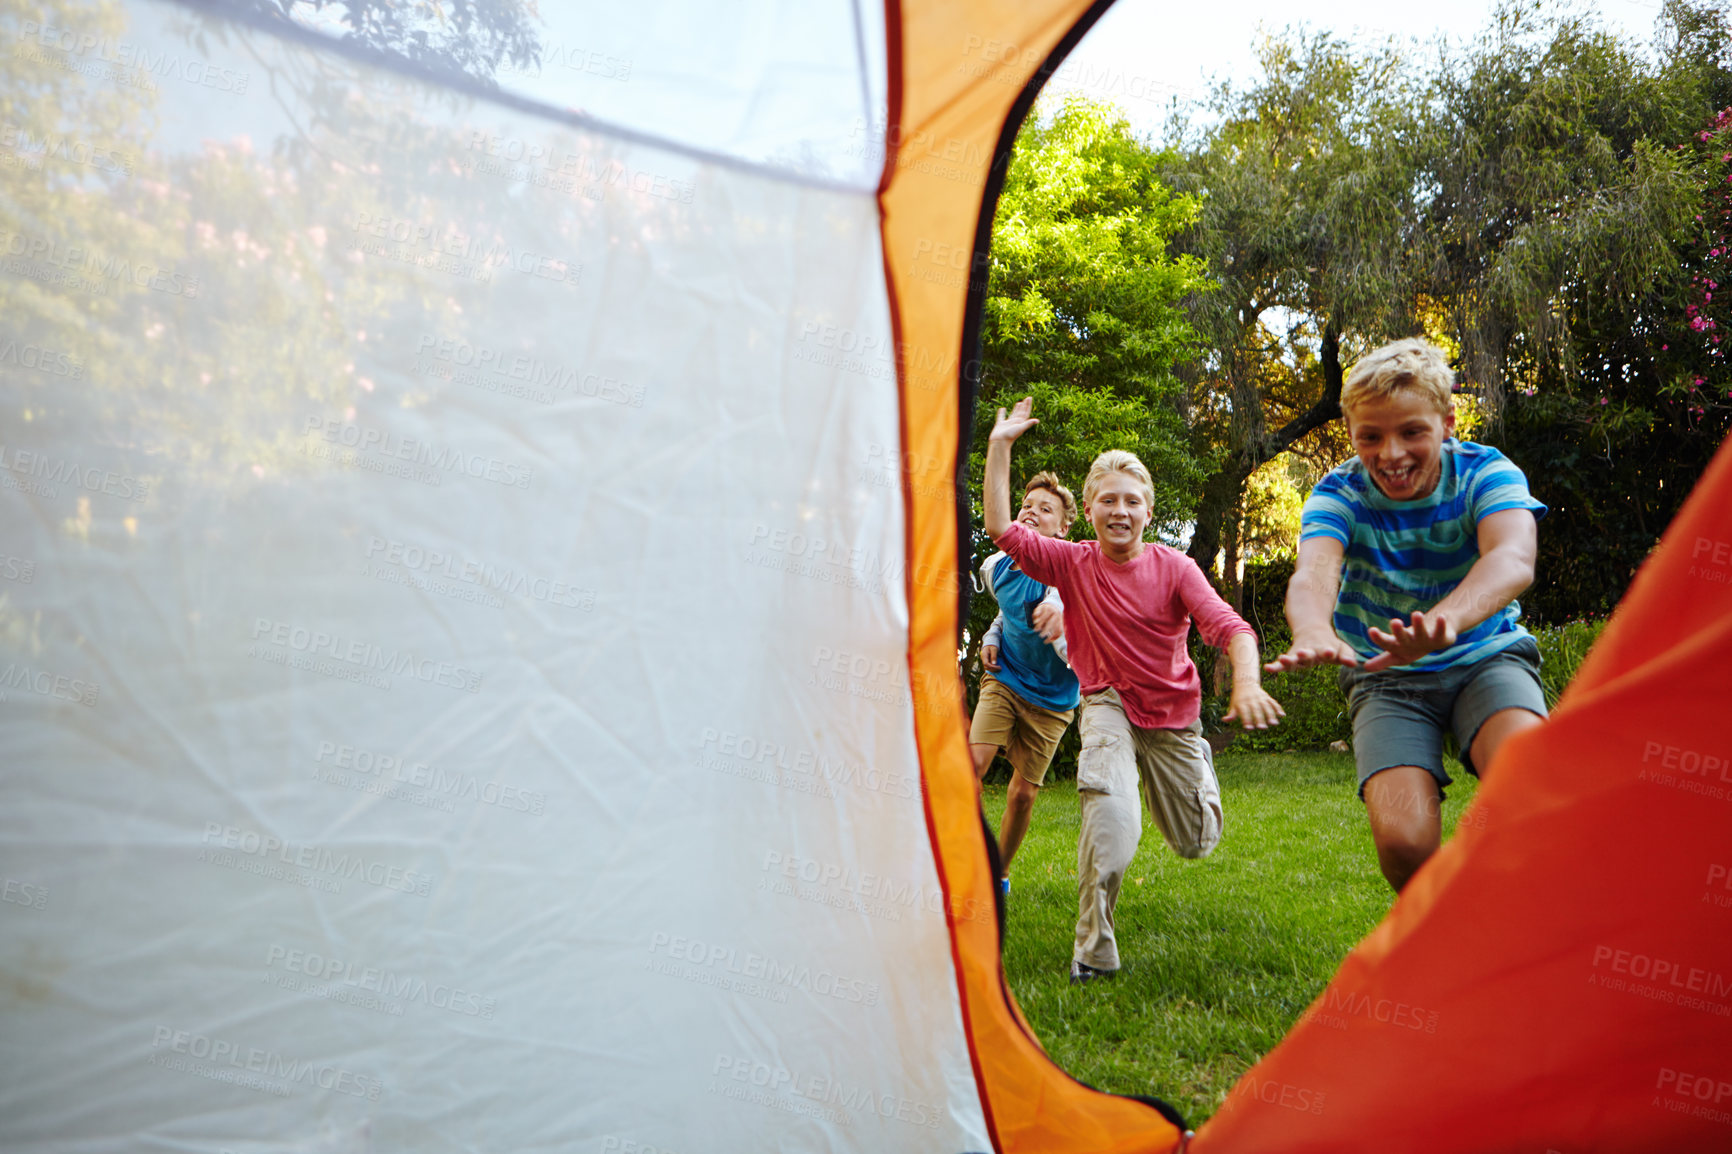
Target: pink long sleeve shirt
[{"x": 1126, "y": 623}]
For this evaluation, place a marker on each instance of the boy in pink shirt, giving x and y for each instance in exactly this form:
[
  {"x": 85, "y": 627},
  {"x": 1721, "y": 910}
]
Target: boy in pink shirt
[{"x": 1128, "y": 608}]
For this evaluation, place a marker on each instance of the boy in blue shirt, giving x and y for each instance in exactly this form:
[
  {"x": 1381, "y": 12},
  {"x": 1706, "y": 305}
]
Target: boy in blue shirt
[
  {"x": 1410, "y": 559},
  {"x": 1028, "y": 693}
]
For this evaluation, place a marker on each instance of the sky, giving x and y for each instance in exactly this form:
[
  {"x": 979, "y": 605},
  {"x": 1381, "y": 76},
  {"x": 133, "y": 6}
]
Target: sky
[{"x": 1144, "y": 52}]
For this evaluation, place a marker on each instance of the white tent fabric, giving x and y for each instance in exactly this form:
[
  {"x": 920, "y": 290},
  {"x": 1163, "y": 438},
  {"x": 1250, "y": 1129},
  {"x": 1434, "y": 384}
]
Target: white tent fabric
[{"x": 412, "y": 512}]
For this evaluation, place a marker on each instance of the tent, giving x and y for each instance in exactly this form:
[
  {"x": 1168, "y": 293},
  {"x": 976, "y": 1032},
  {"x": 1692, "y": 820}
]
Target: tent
[{"x": 479, "y": 586}]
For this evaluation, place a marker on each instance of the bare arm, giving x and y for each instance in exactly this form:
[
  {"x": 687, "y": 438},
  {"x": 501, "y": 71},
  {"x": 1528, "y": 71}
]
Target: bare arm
[
  {"x": 989, "y": 643},
  {"x": 1251, "y": 704},
  {"x": 1005, "y": 431},
  {"x": 1311, "y": 609},
  {"x": 1508, "y": 543}
]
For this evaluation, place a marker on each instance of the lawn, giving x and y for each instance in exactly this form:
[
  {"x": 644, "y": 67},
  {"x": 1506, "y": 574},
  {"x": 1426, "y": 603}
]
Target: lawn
[{"x": 1219, "y": 956}]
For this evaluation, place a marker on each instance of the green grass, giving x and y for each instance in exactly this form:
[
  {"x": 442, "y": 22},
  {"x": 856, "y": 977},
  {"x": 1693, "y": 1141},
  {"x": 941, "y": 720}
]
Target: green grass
[{"x": 1218, "y": 956}]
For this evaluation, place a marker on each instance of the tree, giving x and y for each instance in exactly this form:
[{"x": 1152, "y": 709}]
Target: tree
[
  {"x": 1306, "y": 181},
  {"x": 225, "y": 292},
  {"x": 1573, "y": 241},
  {"x": 1082, "y": 307},
  {"x": 1543, "y": 203},
  {"x": 468, "y": 38},
  {"x": 1549, "y": 156}
]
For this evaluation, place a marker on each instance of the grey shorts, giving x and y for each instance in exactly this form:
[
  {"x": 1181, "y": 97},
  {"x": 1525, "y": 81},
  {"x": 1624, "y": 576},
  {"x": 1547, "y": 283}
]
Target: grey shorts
[{"x": 1399, "y": 716}]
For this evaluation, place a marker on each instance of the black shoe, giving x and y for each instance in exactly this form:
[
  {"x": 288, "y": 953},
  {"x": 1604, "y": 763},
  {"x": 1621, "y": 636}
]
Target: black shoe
[{"x": 1080, "y": 973}]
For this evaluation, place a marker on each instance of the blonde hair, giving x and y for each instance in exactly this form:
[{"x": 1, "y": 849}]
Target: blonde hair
[
  {"x": 1118, "y": 461},
  {"x": 1048, "y": 480},
  {"x": 1407, "y": 365}
]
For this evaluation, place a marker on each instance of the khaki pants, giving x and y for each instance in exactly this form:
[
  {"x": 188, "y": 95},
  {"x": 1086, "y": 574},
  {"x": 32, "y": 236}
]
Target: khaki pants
[{"x": 1176, "y": 770}]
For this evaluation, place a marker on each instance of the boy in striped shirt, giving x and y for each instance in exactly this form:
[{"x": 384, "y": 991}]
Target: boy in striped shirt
[{"x": 1410, "y": 559}]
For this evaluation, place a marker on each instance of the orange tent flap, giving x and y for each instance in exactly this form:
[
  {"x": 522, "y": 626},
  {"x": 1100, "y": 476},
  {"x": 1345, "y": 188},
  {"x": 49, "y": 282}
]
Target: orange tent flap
[
  {"x": 961, "y": 73},
  {"x": 1558, "y": 977}
]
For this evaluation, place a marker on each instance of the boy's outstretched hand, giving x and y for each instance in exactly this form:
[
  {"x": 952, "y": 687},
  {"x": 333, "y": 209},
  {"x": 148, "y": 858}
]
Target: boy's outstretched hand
[
  {"x": 1009, "y": 428},
  {"x": 1253, "y": 708},
  {"x": 1405, "y": 644},
  {"x": 1309, "y": 651}
]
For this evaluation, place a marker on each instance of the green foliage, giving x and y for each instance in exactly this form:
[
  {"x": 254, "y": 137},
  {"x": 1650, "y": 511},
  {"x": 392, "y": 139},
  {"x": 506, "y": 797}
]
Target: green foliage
[
  {"x": 1316, "y": 709},
  {"x": 1307, "y": 191},
  {"x": 1269, "y": 511},
  {"x": 1549, "y": 202},
  {"x": 1316, "y": 712},
  {"x": 1582, "y": 225},
  {"x": 1557, "y": 188},
  {"x": 1306, "y": 179},
  {"x": 1562, "y": 648},
  {"x": 1081, "y": 309}
]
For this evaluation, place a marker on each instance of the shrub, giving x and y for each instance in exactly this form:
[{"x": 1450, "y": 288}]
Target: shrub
[{"x": 1562, "y": 648}]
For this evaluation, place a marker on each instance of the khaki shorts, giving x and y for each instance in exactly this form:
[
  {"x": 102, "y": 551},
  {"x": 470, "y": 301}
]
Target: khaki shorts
[{"x": 1028, "y": 734}]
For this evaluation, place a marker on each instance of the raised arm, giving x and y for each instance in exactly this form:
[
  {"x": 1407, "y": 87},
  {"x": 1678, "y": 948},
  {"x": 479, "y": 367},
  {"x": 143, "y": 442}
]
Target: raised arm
[
  {"x": 1311, "y": 609},
  {"x": 1508, "y": 543},
  {"x": 1005, "y": 431}
]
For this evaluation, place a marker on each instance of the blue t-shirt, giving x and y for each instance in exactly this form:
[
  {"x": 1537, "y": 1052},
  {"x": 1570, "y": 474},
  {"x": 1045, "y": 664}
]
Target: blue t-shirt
[
  {"x": 1029, "y": 666},
  {"x": 1406, "y": 556}
]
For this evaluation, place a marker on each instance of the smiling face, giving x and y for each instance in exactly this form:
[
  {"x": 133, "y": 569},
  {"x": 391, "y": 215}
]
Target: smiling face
[
  {"x": 1119, "y": 511},
  {"x": 1043, "y": 512},
  {"x": 1399, "y": 439}
]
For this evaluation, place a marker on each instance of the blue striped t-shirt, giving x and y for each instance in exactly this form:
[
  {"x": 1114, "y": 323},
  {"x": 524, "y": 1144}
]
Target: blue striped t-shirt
[{"x": 1406, "y": 556}]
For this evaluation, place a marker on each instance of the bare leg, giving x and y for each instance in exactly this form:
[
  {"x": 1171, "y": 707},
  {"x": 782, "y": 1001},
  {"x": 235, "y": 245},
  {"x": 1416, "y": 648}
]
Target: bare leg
[
  {"x": 1406, "y": 820},
  {"x": 1018, "y": 808},
  {"x": 1498, "y": 728},
  {"x": 983, "y": 755}
]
